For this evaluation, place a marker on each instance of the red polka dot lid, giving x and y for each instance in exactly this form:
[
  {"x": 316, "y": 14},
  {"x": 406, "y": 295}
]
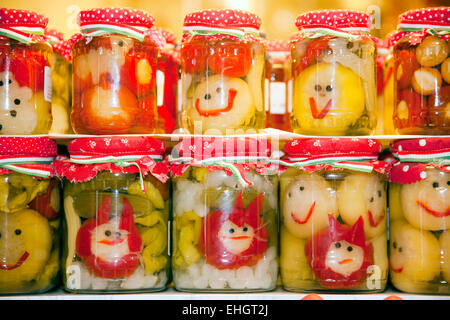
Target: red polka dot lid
[
  {"x": 217, "y": 147},
  {"x": 277, "y": 45},
  {"x": 127, "y": 16},
  {"x": 168, "y": 35},
  {"x": 334, "y": 19},
  {"x": 15, "y": 17},
  {"x": 29, "y": 146},
  {"x": 54, "y": 35},
  {"x": 332, "y": 147},
  {"x": 415, "y": 155},
  {"x": 225, "y": 18},
  {"x": 116, "y": 146},
  {"x": 437, "y": 16}
]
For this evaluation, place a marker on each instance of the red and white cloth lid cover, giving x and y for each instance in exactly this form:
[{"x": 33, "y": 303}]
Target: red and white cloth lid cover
[
  {"x": 54, "y": 35},
  {"x": 334, "y": 19},
  {"x": 415, "y": 155},
  {"x": 437, "y": 16},
  {"x": 121, "y": 154},
  {"x": 225, "y": 18},
  {"x": 22, "y": 25},
  {"x": 16, "y": 17},
  {"x": 126, "y": 16},
  {"x": 27, "y": 146},
  {"x": 419, "y": 23},
  {"x": 117, "y": 146},
  {"x": 312, "y": 154},
  {"x": 332, "y": 147},
  {"x": 168, "y": 35},
  {"x": 201, "y": 148},
  {"x": 277, "y": 45}
]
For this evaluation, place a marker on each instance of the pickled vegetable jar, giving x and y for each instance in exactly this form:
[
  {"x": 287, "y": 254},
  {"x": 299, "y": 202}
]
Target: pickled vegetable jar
[
  {"x": 419, "y": 211},
  {"x": 333, "y": 216},
  {"x": 61, "y": 82},
  {"x": 167, "y": 82},
  {"x": 29, "y": 216},
  {"x": 334, "y": 74},
  {"x": 388, "y": 89},
  {"x": 225, "y": 204},
  {"x": 222, "y": 63},
  {"x": 278, "y": 74},
  {"x": 116, "y": 203},
  {"x": 25, "y": 73},
  {"x": 422, "y": 72},
  {"x": 114, "y": 73},
  {"x": 382, "y": 54}
]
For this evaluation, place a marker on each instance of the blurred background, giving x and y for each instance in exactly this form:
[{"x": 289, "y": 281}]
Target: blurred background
[{"x": 278, "y": 16}]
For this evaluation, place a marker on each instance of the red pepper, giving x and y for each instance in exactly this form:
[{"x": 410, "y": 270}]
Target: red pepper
[
  {"x": 104, "y": 267},
  {"x": 246, "y": 226},
  {"x": 313, "y": 50},
  {"x": 340, "y": 238}
]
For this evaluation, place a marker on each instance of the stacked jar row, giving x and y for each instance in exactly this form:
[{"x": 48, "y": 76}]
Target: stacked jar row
[
  {"x": 126, "y": 75},
  {"x": 224, "y": 214}
]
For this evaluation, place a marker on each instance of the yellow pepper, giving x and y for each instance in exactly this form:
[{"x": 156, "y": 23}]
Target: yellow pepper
[
  {"x": 200, "y": 174},
  {"x": 153, "y": 263},
  {"x": 151, "y": 192}
]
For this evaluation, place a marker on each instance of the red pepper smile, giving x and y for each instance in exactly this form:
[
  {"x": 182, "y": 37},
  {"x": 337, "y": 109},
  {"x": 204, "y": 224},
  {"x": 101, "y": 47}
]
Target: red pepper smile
[
  {"x": 315, "y": 112},
  {"x": 310, "y": 211},
  {"x": 111, "y": 242},
  {"x": 372, "y": 222},
  {"x": 239, "y": 237},
  {"x": 398, "y": 270},
  {"x": 434, "y": 213},
  {"x": 345, "y": 261},
  {"x": 21, "y": 260},
  {"x": 215, "y": 112}
]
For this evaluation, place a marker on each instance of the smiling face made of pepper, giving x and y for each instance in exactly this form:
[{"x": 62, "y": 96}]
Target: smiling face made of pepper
[
  {"x": 17, "y": 110},
  {"x": 426, "y": 203},
  {"x": 110, "y": 247},
  {"x": 363, "y": 195},
  {"x": 328, "y": 99},
  {"x": 308, "y": 201},
  {"x": 236, "y": 238},
  {"x": 340, "y": 255},
  {"x": 25, "y": 245},
  {"x": 221, "y": 103}
]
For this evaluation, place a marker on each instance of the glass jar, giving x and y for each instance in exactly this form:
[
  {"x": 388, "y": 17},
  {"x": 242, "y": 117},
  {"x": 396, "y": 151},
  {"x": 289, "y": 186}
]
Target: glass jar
[
  {"x": 422, "y": 72},
  {"x": 334, "y": 74},
  {"x": 388, "y": 92},
  {"x": 333, "y": 216},
  {"x": 167, "y": 82},
  {"x": 419, "y": 210},
  {"x": 278, "y": 74},
  {"x": 225, "y": 228},
  {"x": 222, "y": 66},
  {"x": 61, "y": 82},
  {"x": 114, "y": 73},
  {"x": 25, "y": 74},
  {"x": 116, "y": 206},
  {"x": 29, "y": 216}
]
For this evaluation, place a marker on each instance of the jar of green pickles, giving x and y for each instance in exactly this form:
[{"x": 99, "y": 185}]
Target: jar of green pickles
[
  {"x": 225, "y": 228},
  {"x": 29, "y": 216},
  {"x": 419, "y": 211},
  {"x": 116, "y": 206},
  {"x": 333, "y": 216}
]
